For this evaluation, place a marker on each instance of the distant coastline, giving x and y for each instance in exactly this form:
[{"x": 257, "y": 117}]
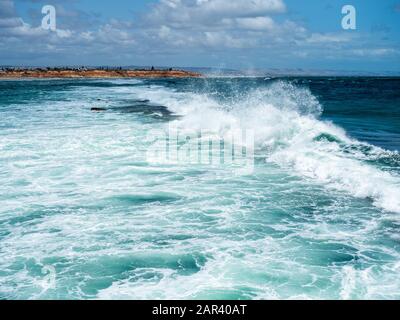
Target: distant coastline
[{"x": 47, "y": 73}]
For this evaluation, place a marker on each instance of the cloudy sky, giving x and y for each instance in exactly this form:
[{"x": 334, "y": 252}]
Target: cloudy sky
[{"x": 241, "y": 34}]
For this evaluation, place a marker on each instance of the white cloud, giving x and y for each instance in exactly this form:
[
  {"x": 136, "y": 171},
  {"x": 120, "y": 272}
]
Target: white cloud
[
  {"x": 374, "y": 52},
  {"x": 217, "y": 24},
  {"x": 239, "y": 7},
  {"x": 187, "y": 28},
  {"x": 257, "y": 23},
  {"x": 329, "y": 38},
  {"x": 64, "y": 33},
  {"x": 224, "y": 39},
  {"x": 10, "y": 22},
  {"x": 179, "y": 13},
  {"x": 164, "y": 32},
  {"x": 114, "y": 33}
]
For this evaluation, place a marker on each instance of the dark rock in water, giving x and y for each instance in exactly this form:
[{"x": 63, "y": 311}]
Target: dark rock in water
[
  {"x": 153, "y": 111},
  {"x": 98, "y": 109}
]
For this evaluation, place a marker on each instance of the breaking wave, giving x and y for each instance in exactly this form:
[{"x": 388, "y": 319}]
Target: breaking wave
[{"x": 288, "y": 131}]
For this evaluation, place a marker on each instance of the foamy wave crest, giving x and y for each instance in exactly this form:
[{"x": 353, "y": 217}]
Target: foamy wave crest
[{"x": 288, "y": 132}]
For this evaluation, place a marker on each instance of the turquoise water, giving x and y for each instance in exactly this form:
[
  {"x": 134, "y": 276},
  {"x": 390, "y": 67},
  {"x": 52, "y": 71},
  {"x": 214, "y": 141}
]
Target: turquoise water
[{"x": 318, "y": 217}]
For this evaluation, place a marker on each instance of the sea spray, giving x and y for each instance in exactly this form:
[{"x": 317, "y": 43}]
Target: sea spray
[{"x": 288, "y": 131}]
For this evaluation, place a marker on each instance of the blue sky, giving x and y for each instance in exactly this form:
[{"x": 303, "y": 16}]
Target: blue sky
[{"x": 242, "y": 34}]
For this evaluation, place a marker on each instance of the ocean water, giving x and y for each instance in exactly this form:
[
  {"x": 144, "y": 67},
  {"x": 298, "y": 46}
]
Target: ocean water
[{"x": 85, "y": 214}]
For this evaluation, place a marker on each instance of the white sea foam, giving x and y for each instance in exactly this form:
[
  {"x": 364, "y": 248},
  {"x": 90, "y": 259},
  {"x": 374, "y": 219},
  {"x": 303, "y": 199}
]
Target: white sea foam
[{"x": 287, "y": 130}]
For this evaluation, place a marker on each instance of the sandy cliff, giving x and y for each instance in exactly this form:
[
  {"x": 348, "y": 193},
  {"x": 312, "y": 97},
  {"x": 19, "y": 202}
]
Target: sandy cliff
[{"x": 96, "y": 74}]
